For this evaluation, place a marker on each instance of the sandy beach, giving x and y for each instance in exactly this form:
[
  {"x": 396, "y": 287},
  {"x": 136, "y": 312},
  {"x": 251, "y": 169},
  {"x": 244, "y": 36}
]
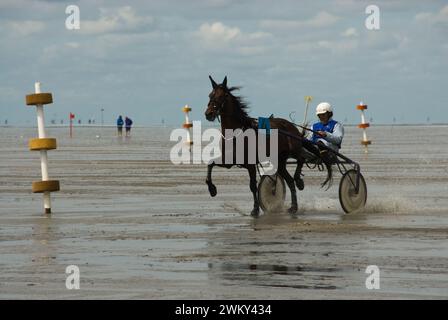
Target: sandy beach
[{"x": 139, "y": 227}]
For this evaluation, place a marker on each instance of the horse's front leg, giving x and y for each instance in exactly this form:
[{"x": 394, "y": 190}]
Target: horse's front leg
[
  {"x": 253, "y": 187},
  {"x": 208, "y": 181},
  {"x": 290, "y": 182},
  {"x": 298, "y": 175}
]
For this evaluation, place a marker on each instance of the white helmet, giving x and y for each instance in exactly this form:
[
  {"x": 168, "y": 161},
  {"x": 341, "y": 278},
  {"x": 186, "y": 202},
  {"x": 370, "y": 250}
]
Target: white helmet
[{"x": 323, "y": 107}]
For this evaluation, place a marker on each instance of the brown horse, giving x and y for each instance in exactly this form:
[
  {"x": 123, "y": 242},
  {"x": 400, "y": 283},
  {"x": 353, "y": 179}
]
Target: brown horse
[{"x": 232, "y": 112}]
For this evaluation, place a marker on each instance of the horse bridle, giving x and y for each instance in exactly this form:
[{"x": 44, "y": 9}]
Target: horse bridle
[
  {"x": 219, "y": 112},
  {"x": 219, "y": 109}
]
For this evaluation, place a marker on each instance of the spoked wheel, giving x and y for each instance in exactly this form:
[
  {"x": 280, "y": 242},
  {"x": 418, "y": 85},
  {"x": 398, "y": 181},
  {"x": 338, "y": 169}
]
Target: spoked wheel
[
  {"x": 350, "y": 200},
  {"x": 271, "y": 192}
]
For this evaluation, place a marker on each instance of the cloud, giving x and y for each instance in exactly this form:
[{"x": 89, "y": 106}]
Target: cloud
[
  {"x": 320, "y": 20},
  {"x": 440, "y": 18},
  {"x": 13, "y": 4},
  {"x": 321, "y": 48},
  {"x": 25, "y": 28},
  {"x": 341, "y": 46},
  {"x": 72, "y": 45},
  {"x": 219, "y": 36},
  {"x": 218, "y": 32},
  {"x": 123, "y": 19},
  {"x": 350, "y": 41},
  {"x": 350, "y": 32}
]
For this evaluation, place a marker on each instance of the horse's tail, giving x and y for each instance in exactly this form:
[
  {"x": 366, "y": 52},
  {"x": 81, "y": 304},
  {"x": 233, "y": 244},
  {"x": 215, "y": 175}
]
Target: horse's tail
[{"x": 329, "y": 181}]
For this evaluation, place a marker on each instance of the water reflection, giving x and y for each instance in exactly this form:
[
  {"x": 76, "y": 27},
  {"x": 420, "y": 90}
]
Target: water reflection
[{"x": 43, "y": 245}]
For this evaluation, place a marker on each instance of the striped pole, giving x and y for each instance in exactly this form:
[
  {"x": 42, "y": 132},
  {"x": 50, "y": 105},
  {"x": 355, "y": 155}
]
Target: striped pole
[
  {"x": 42, "y": 144},
  {"x": 188, "y": 124},
  {"x": 364, "y": 125}
]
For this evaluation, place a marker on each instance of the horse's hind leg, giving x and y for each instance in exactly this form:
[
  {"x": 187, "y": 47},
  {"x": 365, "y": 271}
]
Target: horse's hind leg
[
  {"x": 208, "y": 181},
  {"x": 290, "y": 182},
  {"x": 253, "y": 187}
]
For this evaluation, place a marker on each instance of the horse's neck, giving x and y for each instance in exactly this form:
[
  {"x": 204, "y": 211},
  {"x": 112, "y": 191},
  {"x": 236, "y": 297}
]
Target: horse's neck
[{"x": 228, "y": 122}]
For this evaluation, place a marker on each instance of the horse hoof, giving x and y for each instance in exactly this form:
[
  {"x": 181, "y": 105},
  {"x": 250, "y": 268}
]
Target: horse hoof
[
  {"x": 212, "y": 189},
  {"x": 300, "y": 184},
  {"x": 255, "y": 212},
  {"x": 292, "y": 210}
]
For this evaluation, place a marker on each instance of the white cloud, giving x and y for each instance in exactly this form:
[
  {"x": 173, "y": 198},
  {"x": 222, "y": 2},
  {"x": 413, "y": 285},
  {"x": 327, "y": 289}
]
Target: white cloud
[
  {"x": 72, "y": 45},
  {"x": 218, "y": 32},
  {"x": 251, "y": 50},
  {"x": 423, "y": 16},
  {"x": 123, "y": 19},
  {"x": 320, "y": 20},
  {"x": 13, "y": 4},
  {"x": 440, "y": 17},
  {"x": 350, "y": 32},
  {"x": 323, "y": 47},
  {"x": 219, "y": 36},
  {"x": 383, "y": 41},
  {"x": 25, "y": 28},
  {"x": 343, "y": 46}
]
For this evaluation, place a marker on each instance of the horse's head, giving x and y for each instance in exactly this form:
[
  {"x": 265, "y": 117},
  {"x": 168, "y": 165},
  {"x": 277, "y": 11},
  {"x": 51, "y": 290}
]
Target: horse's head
[{"x": 218, "y": 96}]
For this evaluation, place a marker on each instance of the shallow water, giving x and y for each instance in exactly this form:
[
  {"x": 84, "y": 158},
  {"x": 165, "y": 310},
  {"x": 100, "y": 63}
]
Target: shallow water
[{"x": 141, "y": 227}]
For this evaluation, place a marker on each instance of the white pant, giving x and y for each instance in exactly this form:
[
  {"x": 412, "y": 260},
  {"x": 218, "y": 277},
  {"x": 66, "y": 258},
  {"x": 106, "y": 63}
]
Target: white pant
[{"x": 329, "y": 145}]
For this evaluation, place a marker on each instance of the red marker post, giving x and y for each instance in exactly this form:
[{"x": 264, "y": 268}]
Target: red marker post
[{"x": 72, "y": 116}]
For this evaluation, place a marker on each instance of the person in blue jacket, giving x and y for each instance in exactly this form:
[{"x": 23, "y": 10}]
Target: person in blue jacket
[
  {"x": 128, "y": 124},
  {"x": 328, "y": 133},
  {"x": 120, "y": 123}
]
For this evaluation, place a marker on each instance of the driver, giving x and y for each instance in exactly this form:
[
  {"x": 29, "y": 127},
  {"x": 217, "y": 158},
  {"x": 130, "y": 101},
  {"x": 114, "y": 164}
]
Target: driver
[{"x": 328, "y": 133}]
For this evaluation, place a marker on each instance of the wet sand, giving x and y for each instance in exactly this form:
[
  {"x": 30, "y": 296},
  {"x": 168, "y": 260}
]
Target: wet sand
[{"x": 139, "y": 227}]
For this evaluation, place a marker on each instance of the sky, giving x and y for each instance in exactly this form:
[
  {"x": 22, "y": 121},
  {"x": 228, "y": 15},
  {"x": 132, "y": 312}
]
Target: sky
[{"x": 147, "y": 59}]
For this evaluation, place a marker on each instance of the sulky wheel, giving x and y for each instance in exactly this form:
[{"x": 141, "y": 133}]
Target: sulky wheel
[
  {"x": 349, "y": 199},
  {"x": 271, "y": 192}
]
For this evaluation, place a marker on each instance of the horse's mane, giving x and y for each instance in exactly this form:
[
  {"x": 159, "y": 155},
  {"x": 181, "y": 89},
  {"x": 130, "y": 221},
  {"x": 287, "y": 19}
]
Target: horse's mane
[{"x": 242, "y": 109}]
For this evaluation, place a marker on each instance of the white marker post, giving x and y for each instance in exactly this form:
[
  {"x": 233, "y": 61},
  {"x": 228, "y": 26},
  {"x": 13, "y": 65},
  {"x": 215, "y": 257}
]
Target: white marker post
[
  {"x": 308, "y": 99},
  {"x": 43, "y": 153},
  {"x": 42, "y": 144},
  {"x": 364, "y": 125},
  {"x": 188, "y": 125}
]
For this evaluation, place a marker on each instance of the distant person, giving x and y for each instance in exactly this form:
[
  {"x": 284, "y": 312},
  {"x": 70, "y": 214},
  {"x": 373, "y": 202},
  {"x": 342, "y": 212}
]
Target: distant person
[
  {"x": 128, "y": 123},
  {"x": 120, "y": 123}
]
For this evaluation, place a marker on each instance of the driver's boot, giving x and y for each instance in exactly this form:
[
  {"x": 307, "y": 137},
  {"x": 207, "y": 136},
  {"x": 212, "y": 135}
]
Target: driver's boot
[{"x": 325, "y": 154}]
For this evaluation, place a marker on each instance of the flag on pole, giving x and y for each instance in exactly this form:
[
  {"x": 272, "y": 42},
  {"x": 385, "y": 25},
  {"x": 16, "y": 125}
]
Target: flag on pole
[{"x": 72, "y": 116}]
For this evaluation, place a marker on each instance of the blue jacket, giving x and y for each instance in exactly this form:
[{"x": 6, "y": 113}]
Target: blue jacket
[{"x": 335, "y": 132}]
